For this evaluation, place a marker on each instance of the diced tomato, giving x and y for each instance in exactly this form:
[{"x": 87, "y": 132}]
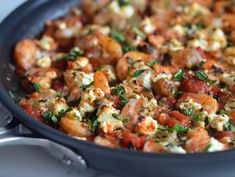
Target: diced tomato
[
  {"x": 165, "y": 119},
  {"x": 58, "y": 85},
  {"x": 232, "y": 116},
  {"x": 34, "y": 112},
  {"x": 221, "y": 135},
  {"x": 194, "y": 86},
  {"x": 132, "y": 139}
]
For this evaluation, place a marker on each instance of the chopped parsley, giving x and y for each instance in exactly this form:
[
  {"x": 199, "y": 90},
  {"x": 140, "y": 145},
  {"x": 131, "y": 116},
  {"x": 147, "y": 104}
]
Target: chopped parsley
[
  {"x": 199, "y": 116},
  {"x": 123, "y": 2},
  {"x": 201, "y": 75},
  {"x": 156, "y": 140},
  {"x": 177, "y": 93},
  {"x": 207, "y": 148},
  {"x": 179, "y": 128},
  {"x": 117, "y": 36},
  {"x": 179, "y": 75},
  {"x": 49, "y": 117},
  {"x": 124, "y": 101},
  {"x": 188, "y": 111},
  {"x": 127, "y": 47},
  {"x": 74, "y": 53},
  {"x": 139, "y": 72},
  {"x": 153, "y": 62},
  {"x": 95, "y": 125},
  {"x": 120, "y": 91},
  {"x": 223, "y": 112},
  {"x": 59, "y": 94},
  {"x": 35, "y": 105},
  {"x": 37, "y": 87},
  {"x": 115, "y": 116},
  {"x": 139, "y": 32},
  {"x": 85, "y": 87}
]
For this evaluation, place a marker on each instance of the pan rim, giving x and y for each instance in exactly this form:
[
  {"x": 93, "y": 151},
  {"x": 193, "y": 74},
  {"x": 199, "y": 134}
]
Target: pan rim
[{"x": 64, "y": 139}]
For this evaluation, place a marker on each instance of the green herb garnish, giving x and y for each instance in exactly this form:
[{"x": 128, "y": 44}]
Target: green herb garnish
[
  {"x": 207, "y": 148},
  {"x": 35, "y": 105},
  {"x": 156, "y": 140},
  {"x": 139, "y": 72},
  {"x": 139, "y": 32},
  {"x": 49, "y": 117},
  {"x": 123, "y": 2},
  {"x": 74, "y": 53},
  {"x": 95, "y": 125},
  {"x": 179, "y": 128},
  {"x": 85, "y": 87},
  {"x": 120, "y": 91},
  {"x": 59, "y": 94},
  {"x": 223, "y": 112},
  {"x": 201, "y": 75},
  {"x": 179, "y": 75},
  {"x": 188, "y": 111},
  {"x": 153, "y": 62},
  {"x": 37, "y": 87},
  {"x": 117, "y": 36},
  {"x": 115, "y": 116}
]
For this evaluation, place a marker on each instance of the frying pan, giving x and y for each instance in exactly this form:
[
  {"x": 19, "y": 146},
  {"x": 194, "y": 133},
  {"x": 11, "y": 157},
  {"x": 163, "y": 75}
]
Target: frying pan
[{"x": 27, "y": 21}]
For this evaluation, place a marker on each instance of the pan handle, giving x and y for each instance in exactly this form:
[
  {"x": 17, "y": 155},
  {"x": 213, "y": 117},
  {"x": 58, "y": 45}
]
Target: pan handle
[{"x": 13, "y": 133}]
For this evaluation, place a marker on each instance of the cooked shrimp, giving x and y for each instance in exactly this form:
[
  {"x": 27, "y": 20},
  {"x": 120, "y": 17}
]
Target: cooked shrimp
[
  {"x": 208, "y": 103},
  {"x": 198, "y": 140},
  {"x": 75, "y": 128},
  {"x": 125, "y": 61},
  {"x": 101, "y": 81},
  {"x": 81, "y": 63},
  {"x": 25, "y": 54},
  {"x": 152, "y": 146}
]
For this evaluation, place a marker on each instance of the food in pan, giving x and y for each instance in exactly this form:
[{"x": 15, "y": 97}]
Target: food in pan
[{"x": 148, "y": 75}]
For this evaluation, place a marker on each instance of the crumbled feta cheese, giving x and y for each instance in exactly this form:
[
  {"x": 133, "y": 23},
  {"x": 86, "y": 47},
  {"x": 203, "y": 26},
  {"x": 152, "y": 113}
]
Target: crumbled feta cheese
[
  {"x": 78, "y": 78},
  {"x": 144, "y": 79},
  {"x": 147, "y": 25},
  {"x": 148, "y": 107},
  {"x": 147, "y": 125},
  {"x": 108, "y": 122},
  {"x": 190, "y": 104},
  {"x": 175, "y": 149},
  {"x": 74, "y": 113},
  {"x": 87, "y": 100},
  {"x": 59, "y": 106},
  {"x": 215, "y": 145},
  {"x": 127, "y": 10},
  {"x": 44, "y": 62},
  {"x": 218, "y": 121},
  {"x": 162, "y": 76},
  {"x": 175, "y": 45},
  {"x": 179, "y": 29}
]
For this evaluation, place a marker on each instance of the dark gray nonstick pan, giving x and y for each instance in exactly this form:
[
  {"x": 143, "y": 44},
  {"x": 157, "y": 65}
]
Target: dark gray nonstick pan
[{"x": 27, "y": 21}]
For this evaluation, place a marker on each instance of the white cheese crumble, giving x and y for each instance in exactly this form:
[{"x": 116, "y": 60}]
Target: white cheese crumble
[
  {"x": 147, "y": 25},
  {"x": 215, "y": 145},
  {"x": 147, "y": 125},
  {"x": 108, "y": 120}
]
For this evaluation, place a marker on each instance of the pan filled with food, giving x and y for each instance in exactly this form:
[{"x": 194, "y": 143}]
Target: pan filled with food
[{"x": 134, "y": 87}]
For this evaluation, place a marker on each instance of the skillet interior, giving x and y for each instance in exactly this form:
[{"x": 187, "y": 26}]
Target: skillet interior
[{"x": 27, "y": 21}]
